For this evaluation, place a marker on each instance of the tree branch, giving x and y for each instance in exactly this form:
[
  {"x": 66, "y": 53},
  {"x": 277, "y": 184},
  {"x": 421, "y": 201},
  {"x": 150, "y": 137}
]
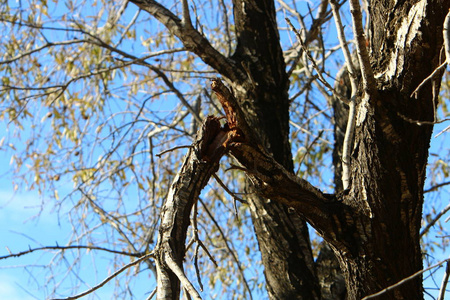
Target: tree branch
[
  {"x": 62, "y": 248},
  {"x": 137, "y": 261},
  {"x": 446, "y": 32},
  {"x": 348, "y": 138},
  {"x": 418, "y": 273},
  {"x": 442, "y": 290},
  {"x": 369, "y": 83},
  {"x": 202, "y": 160},
  {"x": 438, "y": 70},
  {"x": 273, "y": 181},
  {"x": 191, "y": 38},
  {"x": 319, "y": 72}
]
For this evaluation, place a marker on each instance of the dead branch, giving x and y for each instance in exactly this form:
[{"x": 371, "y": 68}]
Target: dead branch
[{"x": 202, "y": 160}]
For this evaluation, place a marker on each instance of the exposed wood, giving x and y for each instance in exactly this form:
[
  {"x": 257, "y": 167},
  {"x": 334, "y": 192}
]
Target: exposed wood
[{"x": 201, "y": 161}]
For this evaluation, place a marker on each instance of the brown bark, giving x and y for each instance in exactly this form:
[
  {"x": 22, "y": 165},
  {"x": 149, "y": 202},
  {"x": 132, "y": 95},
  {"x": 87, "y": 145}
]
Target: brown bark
[{"x": 283, "y": 237}]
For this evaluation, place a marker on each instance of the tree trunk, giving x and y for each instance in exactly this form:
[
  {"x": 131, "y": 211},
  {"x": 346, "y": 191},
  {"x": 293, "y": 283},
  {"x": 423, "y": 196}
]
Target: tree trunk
[
  {"x": 391, "y": 150},
  {"x": 282, "y": 235}
]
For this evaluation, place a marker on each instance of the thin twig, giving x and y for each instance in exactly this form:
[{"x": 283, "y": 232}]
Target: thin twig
[
  {"x": 420, "y": 122},
  {"x": 197, "y": 239},
  {"x": 418, "y": 273},
  {"x": 172, "y": 149},
  {"x": 49, "y": 44},
  {"x": 69, "y": 248},
  {"x": 435, "y": 187},
  {"x": 444, "y": 282},
  {"x": 309, "y": 148},
  {"x": 319, "y": 72},
  {"x": 231, "y": 251},
  {"x": 107, "y": 279},
  {"x": 434, "y": 221},
  {"x": 232, "y": 194},
  {"x": 415, "y": 94}
]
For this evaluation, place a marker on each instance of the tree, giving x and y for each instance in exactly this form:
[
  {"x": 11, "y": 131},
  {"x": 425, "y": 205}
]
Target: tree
[{"x": 384, "y": 108}]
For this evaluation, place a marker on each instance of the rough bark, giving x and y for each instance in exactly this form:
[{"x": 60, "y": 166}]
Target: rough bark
[
  {"x": 200, "y": 163},
  {"x": 282, "y": 235}
]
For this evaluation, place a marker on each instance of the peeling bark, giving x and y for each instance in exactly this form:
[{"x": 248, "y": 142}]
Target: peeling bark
[{"x": 200, "y": 163}]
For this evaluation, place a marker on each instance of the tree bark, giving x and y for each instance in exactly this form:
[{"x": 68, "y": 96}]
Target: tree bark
[
  {"x": 201, "y": 161},
  {"x": 282, "y": 235}
]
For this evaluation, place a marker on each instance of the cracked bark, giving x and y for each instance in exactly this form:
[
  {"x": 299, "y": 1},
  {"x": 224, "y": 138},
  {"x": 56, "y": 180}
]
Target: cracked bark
[{"x": 201, "y": 161}]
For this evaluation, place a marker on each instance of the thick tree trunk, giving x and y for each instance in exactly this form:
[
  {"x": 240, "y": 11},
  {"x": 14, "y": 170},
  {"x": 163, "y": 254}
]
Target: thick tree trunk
[{"x": 391, "y": 150}]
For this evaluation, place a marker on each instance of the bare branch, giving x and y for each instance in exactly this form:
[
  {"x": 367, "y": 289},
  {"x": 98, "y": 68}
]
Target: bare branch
[
  {"x": 186, "y": 16},
  {"x": 435, "y": 219},
  {"x": 342, "y": 40},
  {"x": 348, "y": 138},
  {"x": 176, "y": 269},
  {"x": 437, "y": 71},
  {"x": 47, "y": 45},
  {"x": 435, "y": 187},
  {"x": 369, "y": 83},
  {"x": 319, "y": 72},
  {"x": 192, "y": 39},
  {"x": 446, "y": 33},
  {"x": 444, "y": 282},
  {"x": 137, "y": 261},
  {"x": 138, "y": 254},
  {"x": 418, "y": 273},
  {"x": 322, "y": 16},
  {"x": 229, "y": 248}
]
